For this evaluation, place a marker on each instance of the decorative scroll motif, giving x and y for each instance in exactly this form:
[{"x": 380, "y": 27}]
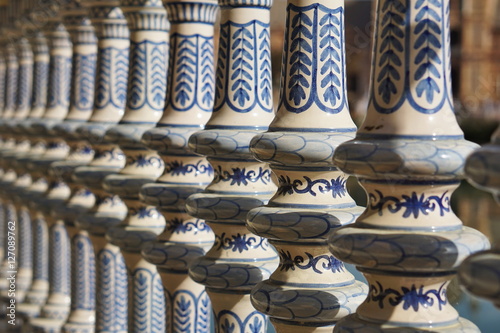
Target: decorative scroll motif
[
  {"x": 412, "y": 204},
  {"x": 180, "y": 226},
  {"x": 59, "y": 81},
  {"x": 410, "y": 297},
  {"x": 149, "y": 302},
  {"x": 318, "y": 264},
  {"x": 415, "y": 51},
  {"x": 83, "y": 282},
  {"x": 112, "y": 154},
  {"x": 145, "y": 212},
  {"x": 315, "y": 73},
  {"x": 111, "y": 83},
  {"x": 112, "y": 295},
  {"x": 239, "y": 242},
  {"x": 177, "y": 168},
  {"x": 243, "y": 76},
  {"x": 143, "y": 161},
  {"x": 148, "y": 73},
  {"x": 335, "y": 186},
  {"x": 230, "y": 322},
  {"x": 84, "y": 70},
  {"x": 242, "y": 176},
  {"x": 40, "y": 83},
  {"x": 192, "y": 77}
]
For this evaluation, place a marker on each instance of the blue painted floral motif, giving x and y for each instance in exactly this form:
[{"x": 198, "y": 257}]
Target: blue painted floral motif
[
  {"x": 147, "y": 76},
  {"x": 256, "y": 326},
  {"x": 227, "y": 327},
  {"x": 59, "y": 81},
  {"x": 83, "y": 282},
  {"x": 410, "y": 297},
  {"x": 177, "y": 168},
  {"x": 412, "y": 52},
  {"x": 40, "y": 83},
  {"x": 412, "y": 204},
  {"x": 111, "y": 83},
  {"x": 112, "y": 287},
  {"x": 145, "y": 212},
  {"x": 192, "y": 78},
  {"x": 427, "y": 58},
  {"x": 180, "y": 226},
  {"x": 239, "y": 242},
  {"x": 112, "y": 154},
  {"x": 142, "y": 161},
  {"x": 328, "y": 263},
  {"x": 335, "y": 186},
  {"x": 25, "y": 85},
  {"x": 84, "y": 70},
  {"x": 11, "y": 82},
  {"x": 230, "y": 322},
  {"x": 316, "y": 64},
  {"x": 149, "y": 307},
  {"x": 242, "y": 176},
  {"x": 392, "y": 38},
  {"x": 244, "y": 57}
]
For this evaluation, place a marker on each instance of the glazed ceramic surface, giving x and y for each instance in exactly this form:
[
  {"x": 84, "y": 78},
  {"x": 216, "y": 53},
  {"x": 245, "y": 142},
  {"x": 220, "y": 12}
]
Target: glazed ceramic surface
[
  {"x": 243, "y": 106},
  {"x": 188, "y": 107},
  {"x": 311, "y": 289},
  {"x": 408, "y": 155}
]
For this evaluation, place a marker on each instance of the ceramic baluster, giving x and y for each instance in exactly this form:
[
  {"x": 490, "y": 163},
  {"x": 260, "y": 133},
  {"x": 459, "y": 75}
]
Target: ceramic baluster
[
  {"x": 3, "y": 138},
  {"x": 243, "y": 107},
  {"x": 148, "y": 26},
  {"x": 479, "y": 273},
  {"x": 408, "y": 155},
  {"x": 23, "y": 178},
  {"x": 312, "y": 200},
  {"x": 9, "y": 152},
  {"x": 38, "y": 292},
  {"x": 66, "y": 211},
  {"x": 111, "y": 284},
  {"x": 190, "y": 99},
  {"x": 109, "y": 210},
  {"x": 56, "y": 308}
]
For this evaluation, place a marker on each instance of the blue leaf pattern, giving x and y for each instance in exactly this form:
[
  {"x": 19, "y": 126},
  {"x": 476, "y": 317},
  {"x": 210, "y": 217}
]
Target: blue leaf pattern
[
  {"x": 111, "y": 83},
  {"x": 427, "y": 58}
]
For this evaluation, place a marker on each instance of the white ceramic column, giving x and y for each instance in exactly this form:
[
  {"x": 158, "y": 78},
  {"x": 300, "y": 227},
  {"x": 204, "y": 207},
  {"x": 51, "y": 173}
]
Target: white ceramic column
[
  {"x": 408, "y": 155},
  {"x": 109, "y": 104},
  {"x": 189, "y": 104},
  {"x": 311, "y": 290},
  {"x": 38, "y": 292},
  {"x": 148, "y": 26},
  {"x": 65, "y": 211},
  {"x": 238, "y": 259},
  {"x": 60, "y": 49}
]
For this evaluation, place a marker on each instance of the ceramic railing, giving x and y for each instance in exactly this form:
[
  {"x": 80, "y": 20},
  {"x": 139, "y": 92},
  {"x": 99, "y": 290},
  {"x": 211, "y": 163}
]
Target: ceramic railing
[{"x": 201, "y": 196}]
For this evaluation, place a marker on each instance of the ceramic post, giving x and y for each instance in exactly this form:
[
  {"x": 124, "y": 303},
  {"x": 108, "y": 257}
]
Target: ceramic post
[
  {"x": 189, "y": 104},
  {"x": 148, "y": 58},
  {"x": 243, "y": 107},
  {"x": 312, "y": 199},
  {"x": 408, "y": 155}
]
